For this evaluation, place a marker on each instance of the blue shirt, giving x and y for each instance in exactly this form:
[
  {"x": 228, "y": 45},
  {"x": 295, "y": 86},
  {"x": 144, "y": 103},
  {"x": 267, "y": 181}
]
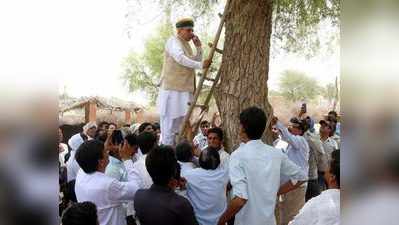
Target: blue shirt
[
  {"x": 255, "y": 170},
  {"x": 206, "y": 190},
  {"x": 297, "y": 150},
  {"x": 116, "y": 169}
]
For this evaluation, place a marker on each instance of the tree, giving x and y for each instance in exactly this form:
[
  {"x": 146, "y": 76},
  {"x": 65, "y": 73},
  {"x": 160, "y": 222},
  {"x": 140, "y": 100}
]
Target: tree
[
  {"x": 296, "y": 86},
  {"x": 142, "y": 71},
  {"x": 245, "y": 61}
]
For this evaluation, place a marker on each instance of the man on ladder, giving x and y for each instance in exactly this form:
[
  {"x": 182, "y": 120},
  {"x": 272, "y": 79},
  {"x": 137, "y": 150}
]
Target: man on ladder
[{"x": 178, "y": 79}]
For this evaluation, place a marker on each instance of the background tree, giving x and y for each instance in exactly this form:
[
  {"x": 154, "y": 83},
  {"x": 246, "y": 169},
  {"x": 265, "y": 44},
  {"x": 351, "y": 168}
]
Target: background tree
[
  {"x": 142, "y": 71},
  {"x": 296, "y": 86}
]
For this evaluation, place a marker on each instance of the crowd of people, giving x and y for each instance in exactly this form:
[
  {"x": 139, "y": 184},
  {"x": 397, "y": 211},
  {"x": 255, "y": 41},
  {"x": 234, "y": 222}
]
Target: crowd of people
[{"x": 112, "y": 175}]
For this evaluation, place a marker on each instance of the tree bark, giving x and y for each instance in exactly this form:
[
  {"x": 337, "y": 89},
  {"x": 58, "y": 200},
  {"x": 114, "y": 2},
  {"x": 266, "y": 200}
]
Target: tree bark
[{"x": 245, "y": 65}]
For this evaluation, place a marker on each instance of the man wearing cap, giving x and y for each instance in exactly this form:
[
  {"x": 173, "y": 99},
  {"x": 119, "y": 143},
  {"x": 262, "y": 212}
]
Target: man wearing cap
[
  {"x": 297, "y": 152},
  {"x": 178, "y": 79},
  {"x": 329, "y": 145}
]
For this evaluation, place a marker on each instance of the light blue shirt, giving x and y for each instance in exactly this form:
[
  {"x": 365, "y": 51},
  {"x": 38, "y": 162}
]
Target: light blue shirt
[
  {"x": 116, "y": 169},
  {"x": 206, "y": 190},
  {"x": 255, "y": 170},
  {"x": 297, "y": 150}
]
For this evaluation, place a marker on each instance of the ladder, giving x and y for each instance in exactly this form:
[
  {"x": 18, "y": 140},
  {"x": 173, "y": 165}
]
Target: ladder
[{"x": 204, "y": 107}]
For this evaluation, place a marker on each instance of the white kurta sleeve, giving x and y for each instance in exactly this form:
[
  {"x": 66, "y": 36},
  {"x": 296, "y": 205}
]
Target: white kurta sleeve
[
  {"x": 288, "y": 137},
  {"x": 238, "y": 179},
  {"x": 174, "y": 49}
]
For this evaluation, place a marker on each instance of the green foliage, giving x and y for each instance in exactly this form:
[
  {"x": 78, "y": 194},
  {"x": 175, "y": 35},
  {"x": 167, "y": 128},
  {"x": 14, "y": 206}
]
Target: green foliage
[
  {"x": 296, "y": 24},
  {"x": 142, "y": 71},
  {"x": 296, "y": 86}
]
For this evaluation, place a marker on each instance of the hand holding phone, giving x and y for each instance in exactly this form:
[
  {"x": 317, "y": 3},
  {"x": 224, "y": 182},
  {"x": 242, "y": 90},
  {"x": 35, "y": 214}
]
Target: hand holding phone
[{"x": 196, "y": 41}]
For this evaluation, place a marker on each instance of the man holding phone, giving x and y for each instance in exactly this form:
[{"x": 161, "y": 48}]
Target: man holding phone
[{"x": 178, "y": 79}]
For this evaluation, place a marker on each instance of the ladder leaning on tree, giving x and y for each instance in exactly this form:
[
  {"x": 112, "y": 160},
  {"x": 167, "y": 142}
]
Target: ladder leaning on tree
[{"x": 204, "y": 107}]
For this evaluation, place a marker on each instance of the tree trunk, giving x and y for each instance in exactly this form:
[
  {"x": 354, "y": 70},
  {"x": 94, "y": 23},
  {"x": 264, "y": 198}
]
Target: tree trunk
[{"x": 245, "y": 65}]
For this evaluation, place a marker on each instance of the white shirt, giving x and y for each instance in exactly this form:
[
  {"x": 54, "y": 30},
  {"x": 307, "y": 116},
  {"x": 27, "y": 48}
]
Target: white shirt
[
  {"x": 185, "y": 167},
  {"x": 206, "y": 190},
  {"x": 137, "y": 156},
  {"x": 280, "y": 144},
  {"x": 321, "y": 210},
  {"x": 145, "y": 180},
  {"x": 72, "y": 165},
  {"x": 255, "y": 169},
  {"x": 297, "y": 150},
  {"x": 224, "y": 158},
  {"x": 107, "y": 193},
  {"x": 200, "y": 140}
]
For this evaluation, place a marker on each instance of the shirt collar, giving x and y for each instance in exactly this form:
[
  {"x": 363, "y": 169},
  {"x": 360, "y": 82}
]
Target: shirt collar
[
  {"x": 251, "y": 142},
  {"x": 160, "y": 188},
  {"x": 114, "y": 160}
]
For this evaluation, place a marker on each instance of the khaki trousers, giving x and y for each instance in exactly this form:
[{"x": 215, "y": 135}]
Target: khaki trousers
[{"x": 291, "y": 203}]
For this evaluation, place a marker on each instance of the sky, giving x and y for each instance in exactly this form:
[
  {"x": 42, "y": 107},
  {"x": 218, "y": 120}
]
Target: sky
[{"x": 80, "y": 45}]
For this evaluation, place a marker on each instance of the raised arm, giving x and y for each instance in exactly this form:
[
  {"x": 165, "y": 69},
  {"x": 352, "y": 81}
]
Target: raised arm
[
  {"x": 174, "y": 49},
  {"x": 287, "y": 136}
]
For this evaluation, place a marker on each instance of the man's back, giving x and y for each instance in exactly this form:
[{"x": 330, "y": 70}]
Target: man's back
[
  {"x": 161, "y": 205},
  {"x": 255, "y": 171},
  {"x": 321, "y": 210},
  {"x": 206, "y": 190},
  {"x": 94, "y": 188}
]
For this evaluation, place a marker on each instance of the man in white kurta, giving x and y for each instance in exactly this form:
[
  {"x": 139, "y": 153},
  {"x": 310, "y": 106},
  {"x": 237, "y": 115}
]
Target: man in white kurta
[
  {"x": 107, "y": 193},
  {"x": 325, "y": 208},
  {"x": 178, "y": 79}
]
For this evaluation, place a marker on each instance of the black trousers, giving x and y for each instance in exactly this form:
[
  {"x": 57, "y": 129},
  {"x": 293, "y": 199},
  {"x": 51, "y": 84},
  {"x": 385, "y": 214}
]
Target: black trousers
[{"x": 312, "y": 190}]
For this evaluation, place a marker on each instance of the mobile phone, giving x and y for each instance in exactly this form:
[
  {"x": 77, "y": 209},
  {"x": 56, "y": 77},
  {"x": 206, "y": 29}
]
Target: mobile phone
[
  {"x": 303, "y": 107},
  {"x": 117, "y": 137}
]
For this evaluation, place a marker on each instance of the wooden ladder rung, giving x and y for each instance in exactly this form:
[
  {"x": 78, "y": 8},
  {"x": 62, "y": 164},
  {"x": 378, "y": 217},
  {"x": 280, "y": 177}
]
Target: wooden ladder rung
[
  {"x": 220, "y": 51},
  {"x": 201, "y": 106},
  {"x": 210, "y": 79}
]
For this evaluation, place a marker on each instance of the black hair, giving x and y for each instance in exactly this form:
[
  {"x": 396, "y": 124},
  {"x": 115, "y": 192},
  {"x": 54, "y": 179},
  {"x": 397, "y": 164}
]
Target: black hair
[
  {"x": 209, "y": 158},
  {"x": 184, "y": 152},
  {"x": 156, "y": 126},
  {"x": 333, "y": 112},
  {"x": 253, "y": 120},
  {"x": 146, "y": 141},
  {"x": 88, "y": 155},
  {"x": 161, "y": 164},
  {"x": 216, "y": 130},
  {"x": 83, "y": 213},
  {"x": 204, "y": 122},
  {"x": 102, "y": 124},
  {"x": 302, "y": 124},
  {"x": 131, "y": 139},
  {"x": 143, "y": 126},
  {"x": 335, "y": 165}
]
